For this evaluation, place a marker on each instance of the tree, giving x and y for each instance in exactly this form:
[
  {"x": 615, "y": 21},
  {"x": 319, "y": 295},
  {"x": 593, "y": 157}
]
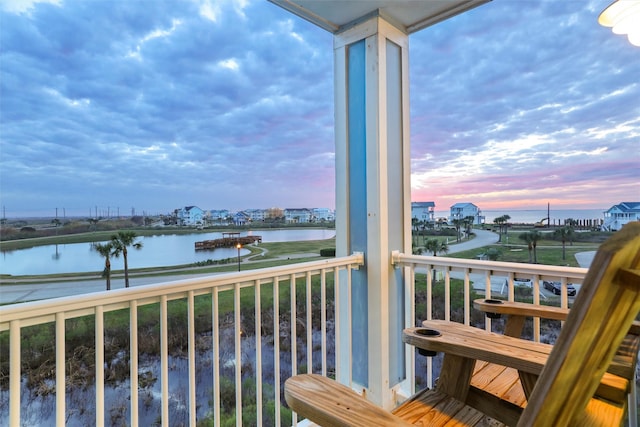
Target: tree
[
  {"x": 93, "y": 223},
  {"x": 468, "y": 223},
  {"x": 457, "y": 223},
  {"x": 415, "y": 223},
  {"x": 571, "y": 225},
  {"x": 120, "y": 242},
  {"x": 526, "y": 237},
  {"x": 562, "y": 234},
  {"x": 105, "y": 249},
  {"x": 501, "y": 222},
  {"x": 435, "y": 246},
  {"x": 535, "y": 236}
]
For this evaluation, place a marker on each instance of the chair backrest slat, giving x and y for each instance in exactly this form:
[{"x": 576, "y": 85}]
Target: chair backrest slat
[{"x": 607, "y": 304}]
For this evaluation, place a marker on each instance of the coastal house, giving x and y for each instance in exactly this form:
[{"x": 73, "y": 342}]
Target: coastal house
[
  {"x": 463, "y": 210},
  {"x": 241, "y": 218},
  {"x": 218, "y": 214},
  {"x": 297, "y": 215},
  {"x": 322, "y": 214},
  {"x": 423, "y": 211},
  {"x": 256, "y": 214},
  {"x": 369, "y": 289},
  {"x": 619, "y": 215},
  {"x": 190, "y": 216}
]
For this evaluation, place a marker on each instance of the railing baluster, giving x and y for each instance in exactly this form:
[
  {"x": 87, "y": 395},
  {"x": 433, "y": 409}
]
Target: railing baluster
[
  {"x": 535, "y": 288},
  {"x": 323, "y": 319},
  {"x": 99, "y": 337},
  {"x": 467, "y": 298},
  {"x": 258, "y": 328},
  {"x": 133, "y": 360},
  {"x": 238, "y": 351},
  {"x": 309, "y": 325},
  {"x": 294, "y": 318},
  {"x": 164, "y": 360},
  {"x": 349, "y": 321},
  {"x": 430, "y": 273},
  {"x": 337, "y": 323},
  {"x": 192, "y": 357},
  {"x": 215, "y": 357},
  {"x": 510, "y": 284},
  {"x": 276, "y": 347},
  {"x": 410, "y": 321},
  {"x": 487, "y": 293},
  {"x": 15, "y": 373},
  {"x": 447, "y": 295},
  {"x": 60, "y": 369}
]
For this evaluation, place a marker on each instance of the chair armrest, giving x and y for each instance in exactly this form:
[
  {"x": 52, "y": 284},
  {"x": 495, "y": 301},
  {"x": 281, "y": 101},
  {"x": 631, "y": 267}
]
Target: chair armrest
[
  {"x": 327, "y": 402},
  {"x": 521, "y": 309},
  {"x": 475, "y": 343}
]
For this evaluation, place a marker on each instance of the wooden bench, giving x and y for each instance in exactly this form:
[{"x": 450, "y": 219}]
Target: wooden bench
[
  {"x": 498, "y": 390},
  {"x": 563, "y": 380}
]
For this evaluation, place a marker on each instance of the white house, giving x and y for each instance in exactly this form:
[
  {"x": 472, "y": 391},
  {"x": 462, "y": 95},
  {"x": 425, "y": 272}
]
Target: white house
[
  {"x": 297, "y": 215},
  {"x": 322, "y": 214},
  {"x": 190, "y": 215},
  {"x": 423, "y": 211},
  {"x": 241, "y": 218},
  {"x": 621, "y": 214},
  {"x": 219, "y": 216},
  {"x": 256, "y": 214},
  {"x": 463, "y": 210}
]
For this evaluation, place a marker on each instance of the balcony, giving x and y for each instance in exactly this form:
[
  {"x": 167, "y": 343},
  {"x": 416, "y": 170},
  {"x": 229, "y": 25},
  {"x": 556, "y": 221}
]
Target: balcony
[
  {"x": 217, "y": 350},
  {"x": 227, "y": 354}
]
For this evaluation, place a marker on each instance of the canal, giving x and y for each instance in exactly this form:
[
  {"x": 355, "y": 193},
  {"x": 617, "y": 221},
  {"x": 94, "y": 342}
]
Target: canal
[{"x": 157, "y": 251}]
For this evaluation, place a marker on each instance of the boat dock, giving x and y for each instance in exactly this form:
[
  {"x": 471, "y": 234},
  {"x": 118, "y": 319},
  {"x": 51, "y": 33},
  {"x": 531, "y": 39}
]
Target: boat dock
[{"x": 228, "y": 240}]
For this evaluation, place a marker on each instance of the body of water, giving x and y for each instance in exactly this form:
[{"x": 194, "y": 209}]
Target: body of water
[
  {"x": 157, "y": 251},
  {"x": 532, "y": 216}
]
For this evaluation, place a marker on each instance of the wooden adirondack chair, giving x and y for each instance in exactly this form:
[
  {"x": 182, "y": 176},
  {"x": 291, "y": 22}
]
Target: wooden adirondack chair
[
  {"x": 497, "y": 389},
  {"x": 563, "y": 382}
]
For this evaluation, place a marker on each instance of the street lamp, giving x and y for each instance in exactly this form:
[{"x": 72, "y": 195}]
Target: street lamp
[{"x": 239, "y": 246}]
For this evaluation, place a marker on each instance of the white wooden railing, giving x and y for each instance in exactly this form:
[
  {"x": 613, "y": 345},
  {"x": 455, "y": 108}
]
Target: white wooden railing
[
  {"x": 14, "y": 318},
  {"x": 311, "y": 279},
  {"x": 489, "y": 279}
]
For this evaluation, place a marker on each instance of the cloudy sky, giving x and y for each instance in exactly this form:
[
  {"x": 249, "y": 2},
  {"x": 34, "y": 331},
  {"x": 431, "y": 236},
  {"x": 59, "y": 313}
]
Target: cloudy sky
[{"x": 154, "y": 105}]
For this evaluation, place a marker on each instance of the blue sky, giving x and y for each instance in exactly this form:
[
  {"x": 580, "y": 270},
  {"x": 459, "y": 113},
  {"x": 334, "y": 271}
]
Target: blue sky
[{"x": 154, "y": 105}]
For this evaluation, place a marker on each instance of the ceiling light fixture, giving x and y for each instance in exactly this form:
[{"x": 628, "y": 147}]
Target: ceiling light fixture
[{"x": 624, "y": 18}]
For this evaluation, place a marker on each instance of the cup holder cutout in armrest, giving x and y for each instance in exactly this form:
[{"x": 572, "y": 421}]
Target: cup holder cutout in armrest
[
  {"x": 493, "y": 315},
  {"x": 427, "y": 333}
]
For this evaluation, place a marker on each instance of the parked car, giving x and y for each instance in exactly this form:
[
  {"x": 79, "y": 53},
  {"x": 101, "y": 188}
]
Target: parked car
[
  {"x": 556, "y": 287},
  {"x": 522, "y": 282}
]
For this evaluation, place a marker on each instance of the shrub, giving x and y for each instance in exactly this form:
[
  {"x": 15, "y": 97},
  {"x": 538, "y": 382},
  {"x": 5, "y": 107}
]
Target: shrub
[{"x": 328, "y": 252}]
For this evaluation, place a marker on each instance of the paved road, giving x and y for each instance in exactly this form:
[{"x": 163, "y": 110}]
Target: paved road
[{"x": 483, "y": 238}]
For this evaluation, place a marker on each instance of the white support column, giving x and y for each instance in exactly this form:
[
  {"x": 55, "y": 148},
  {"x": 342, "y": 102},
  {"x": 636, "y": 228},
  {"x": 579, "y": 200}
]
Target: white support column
[{"x": 373, "y": 196}]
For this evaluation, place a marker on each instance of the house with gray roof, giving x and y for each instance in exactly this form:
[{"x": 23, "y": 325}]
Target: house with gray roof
[{"x": 621, "y": 214}]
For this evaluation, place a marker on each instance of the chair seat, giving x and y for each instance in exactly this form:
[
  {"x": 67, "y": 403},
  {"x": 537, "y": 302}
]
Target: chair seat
[
  {"x": 432, "y": 408},
  {"x": 329, "y": 403},
  {"x": 496, "y": 386}
]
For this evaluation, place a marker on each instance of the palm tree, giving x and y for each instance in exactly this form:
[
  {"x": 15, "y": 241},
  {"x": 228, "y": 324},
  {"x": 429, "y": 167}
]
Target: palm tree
[
  {"x": 468, "y": 223},
  {"x": 526, "y": 237},
  {"x": 457, "y": 223},
  {"x": 535, "y": 236},
  {"x": 435, "y": 246},
  {"x": 120, "y": 242},
  {"x": 105, "y": 249},
  {"x": 571, "y": 225},
  {"x": 563, "y": 233},
  {"x": 415, "y": 223},
  {"x": 501, "y": 222}
]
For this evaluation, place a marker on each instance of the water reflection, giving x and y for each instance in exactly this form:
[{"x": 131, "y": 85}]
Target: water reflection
[{"x": 157, "y": 251}]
